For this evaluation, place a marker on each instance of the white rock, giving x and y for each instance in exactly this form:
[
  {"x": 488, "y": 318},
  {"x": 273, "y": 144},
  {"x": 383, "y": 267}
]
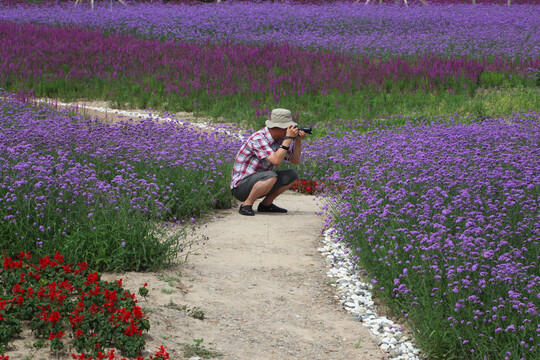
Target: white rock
[{"x": 355, "y": 296}]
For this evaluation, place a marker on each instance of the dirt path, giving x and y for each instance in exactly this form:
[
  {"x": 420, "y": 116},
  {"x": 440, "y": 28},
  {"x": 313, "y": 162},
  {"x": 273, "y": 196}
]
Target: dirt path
[{"x": 262, "y": 286}]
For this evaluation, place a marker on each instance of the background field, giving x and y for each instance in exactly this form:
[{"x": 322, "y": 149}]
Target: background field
[{"x": 427, "y": 143}]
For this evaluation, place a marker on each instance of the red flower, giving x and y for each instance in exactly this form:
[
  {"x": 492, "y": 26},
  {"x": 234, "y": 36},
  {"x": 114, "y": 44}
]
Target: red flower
[
  {"x": 126, "y": 295},
  {"x": 10, "y": 264},
  {"x": 54, "y": 317},
  {"x": 58, "y": 258},
  {"x": 17, "y": 289},
  {"x": 58, "y": 335},
  {"x": 111, "y": 355},
  {"x": 81, "y": 357},
  {"x": 137, "y": 312},
  {"x": 162, "y": 353},
  {"x": 82, "y": 267},
  {"x": 92, "y": 278},
  {"x": 29, "y": 292},
  {"x": 78, "y": 333},
  {"x": 24, "y": 255},
  {"x": 132, "y": 330},
  {"x": 44, "y": 262},
  {"x": 68, "y": 268},
  {"x": 76, "y": 319}
]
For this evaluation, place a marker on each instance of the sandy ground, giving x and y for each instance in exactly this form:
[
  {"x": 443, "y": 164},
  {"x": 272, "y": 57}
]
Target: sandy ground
[{"x": 262, "y": 287}]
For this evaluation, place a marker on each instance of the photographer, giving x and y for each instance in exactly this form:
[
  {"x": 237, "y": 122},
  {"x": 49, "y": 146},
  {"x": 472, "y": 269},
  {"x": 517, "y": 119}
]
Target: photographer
[{"x": 253, "y": 174}]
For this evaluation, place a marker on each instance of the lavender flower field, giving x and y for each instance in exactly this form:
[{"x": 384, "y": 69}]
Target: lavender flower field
[
  {"x": 235, "y": 60},
  {"x": 445, "y": 219},
  {"x": 427, "y": 136},
  {"x": 458, "y": 30},
  {"x": 92, "y": 189}
]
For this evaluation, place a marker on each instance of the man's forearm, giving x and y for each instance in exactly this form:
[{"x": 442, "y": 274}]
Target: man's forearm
[{"x": 297, "y": 151}]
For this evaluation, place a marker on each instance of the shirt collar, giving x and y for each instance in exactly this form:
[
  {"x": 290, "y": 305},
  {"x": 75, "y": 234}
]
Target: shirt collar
[{"x": 268, "y": 136}]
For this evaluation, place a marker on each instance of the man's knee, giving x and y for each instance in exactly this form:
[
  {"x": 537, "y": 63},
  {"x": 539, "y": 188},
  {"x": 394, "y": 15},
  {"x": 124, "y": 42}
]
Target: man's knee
[
  {"x": 268, "y": 183},
  {"x": 288, "y": 176},
  {"x": 270, "y": 177}
]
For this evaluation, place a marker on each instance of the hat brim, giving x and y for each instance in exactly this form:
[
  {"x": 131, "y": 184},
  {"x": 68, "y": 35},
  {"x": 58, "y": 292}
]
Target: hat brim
[{"x": 271, "y": 124}]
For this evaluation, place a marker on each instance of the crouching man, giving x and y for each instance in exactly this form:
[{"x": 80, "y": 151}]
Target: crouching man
[{"x": 254, "y": 175}]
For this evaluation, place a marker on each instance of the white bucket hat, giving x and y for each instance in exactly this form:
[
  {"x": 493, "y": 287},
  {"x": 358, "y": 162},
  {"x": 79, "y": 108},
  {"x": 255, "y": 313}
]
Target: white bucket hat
[{"x": 280, "y": 118}]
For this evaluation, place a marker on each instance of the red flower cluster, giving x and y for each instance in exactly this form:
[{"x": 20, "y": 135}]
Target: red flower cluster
[
  {"x": 55, "y": 297},
  {"x": 161, "y": 353},
  {"x": 306, "y": 186},
  {"x": 311, "y": 187}
]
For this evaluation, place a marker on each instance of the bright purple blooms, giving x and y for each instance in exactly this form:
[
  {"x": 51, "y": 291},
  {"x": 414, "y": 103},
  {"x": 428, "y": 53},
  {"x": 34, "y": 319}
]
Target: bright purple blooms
[
  {"x": 442, "y": 213},
  {"x": 445, "y": 217},
  {"x": 66, "y": 178},
  {"x": 458, "y": 30}
]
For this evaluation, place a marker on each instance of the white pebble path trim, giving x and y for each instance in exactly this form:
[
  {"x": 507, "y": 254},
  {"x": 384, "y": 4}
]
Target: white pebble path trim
[
  {"x": 134, "y": 114},
  {"x": 356, "y": 297}
]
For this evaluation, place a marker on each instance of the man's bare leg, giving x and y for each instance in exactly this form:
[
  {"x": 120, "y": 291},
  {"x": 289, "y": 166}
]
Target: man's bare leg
[
  {"x": 271, "y": 197},
  {"x": 260, "y": 189}
]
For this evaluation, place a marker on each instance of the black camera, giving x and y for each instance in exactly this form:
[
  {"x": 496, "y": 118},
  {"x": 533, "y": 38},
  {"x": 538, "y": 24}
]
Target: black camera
[{"x": 306, "y": 129}]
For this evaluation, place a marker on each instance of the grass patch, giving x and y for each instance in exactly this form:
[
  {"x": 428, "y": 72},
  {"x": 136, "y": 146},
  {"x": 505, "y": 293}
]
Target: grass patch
[{"x": 199, "y": 350}]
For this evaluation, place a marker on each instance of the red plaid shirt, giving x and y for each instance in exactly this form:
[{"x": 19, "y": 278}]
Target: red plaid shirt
[{"x": 251, "y": 157}]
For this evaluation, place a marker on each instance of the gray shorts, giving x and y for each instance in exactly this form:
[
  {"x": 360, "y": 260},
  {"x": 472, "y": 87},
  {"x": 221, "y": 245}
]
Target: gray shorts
[{"x": 284, "y": 177}]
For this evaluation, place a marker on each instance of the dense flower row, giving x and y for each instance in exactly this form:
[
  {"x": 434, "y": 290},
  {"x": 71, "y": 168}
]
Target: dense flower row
[
  {"x": 54, "y": 297},
  {"x": 445, "y": 219},
  {"x": 94, "y": 185},
  {"x": 458, "y": 30},
  {"x": 67, "y": 61}
]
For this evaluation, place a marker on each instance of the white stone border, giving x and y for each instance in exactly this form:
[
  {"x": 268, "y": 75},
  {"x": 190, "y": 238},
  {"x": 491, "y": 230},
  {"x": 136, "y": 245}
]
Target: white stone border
[
  {"x": 135, "y": 114},
  {"x": 356, "y": 297}
]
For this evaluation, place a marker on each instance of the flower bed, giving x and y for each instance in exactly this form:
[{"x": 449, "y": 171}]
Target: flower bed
[
  {"x": 59, "y": 301},
  {"x": 234, "y": 60},
  {"x": 451, "y": 30},
  {"x": 185, "y": 76},
  {"x": 104, "y": 193},
  {"x": 444, "y": 218}
]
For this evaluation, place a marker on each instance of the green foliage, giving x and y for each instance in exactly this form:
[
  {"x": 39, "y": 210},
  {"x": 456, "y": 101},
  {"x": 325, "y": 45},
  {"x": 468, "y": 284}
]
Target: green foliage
[
  {"x": 108, "y": 240},
  {"x": 199, "y": 350},
  {"x": 196, "y": 313}
]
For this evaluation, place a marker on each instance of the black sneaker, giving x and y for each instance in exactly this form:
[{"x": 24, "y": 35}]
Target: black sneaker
[
  {"x": 270, "y": 208},
  {"x": 246, "y": 210}
]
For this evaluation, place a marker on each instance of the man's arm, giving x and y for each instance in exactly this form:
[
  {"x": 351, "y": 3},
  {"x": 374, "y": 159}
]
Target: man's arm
[
  {"x": 279, "y": 155},
  {"x": 298, "y": 148}
]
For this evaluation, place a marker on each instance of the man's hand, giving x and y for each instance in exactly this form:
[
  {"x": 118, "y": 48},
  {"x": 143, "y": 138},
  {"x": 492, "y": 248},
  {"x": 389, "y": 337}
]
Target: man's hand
[
  {"x": 301, "y": 135},
  {"x": 292, "y": 131}
]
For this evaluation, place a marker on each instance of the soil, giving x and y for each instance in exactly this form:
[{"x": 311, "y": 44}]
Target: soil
[
  {"x": 251, "y": 288},
  {"x": 263, "y": 289}
]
